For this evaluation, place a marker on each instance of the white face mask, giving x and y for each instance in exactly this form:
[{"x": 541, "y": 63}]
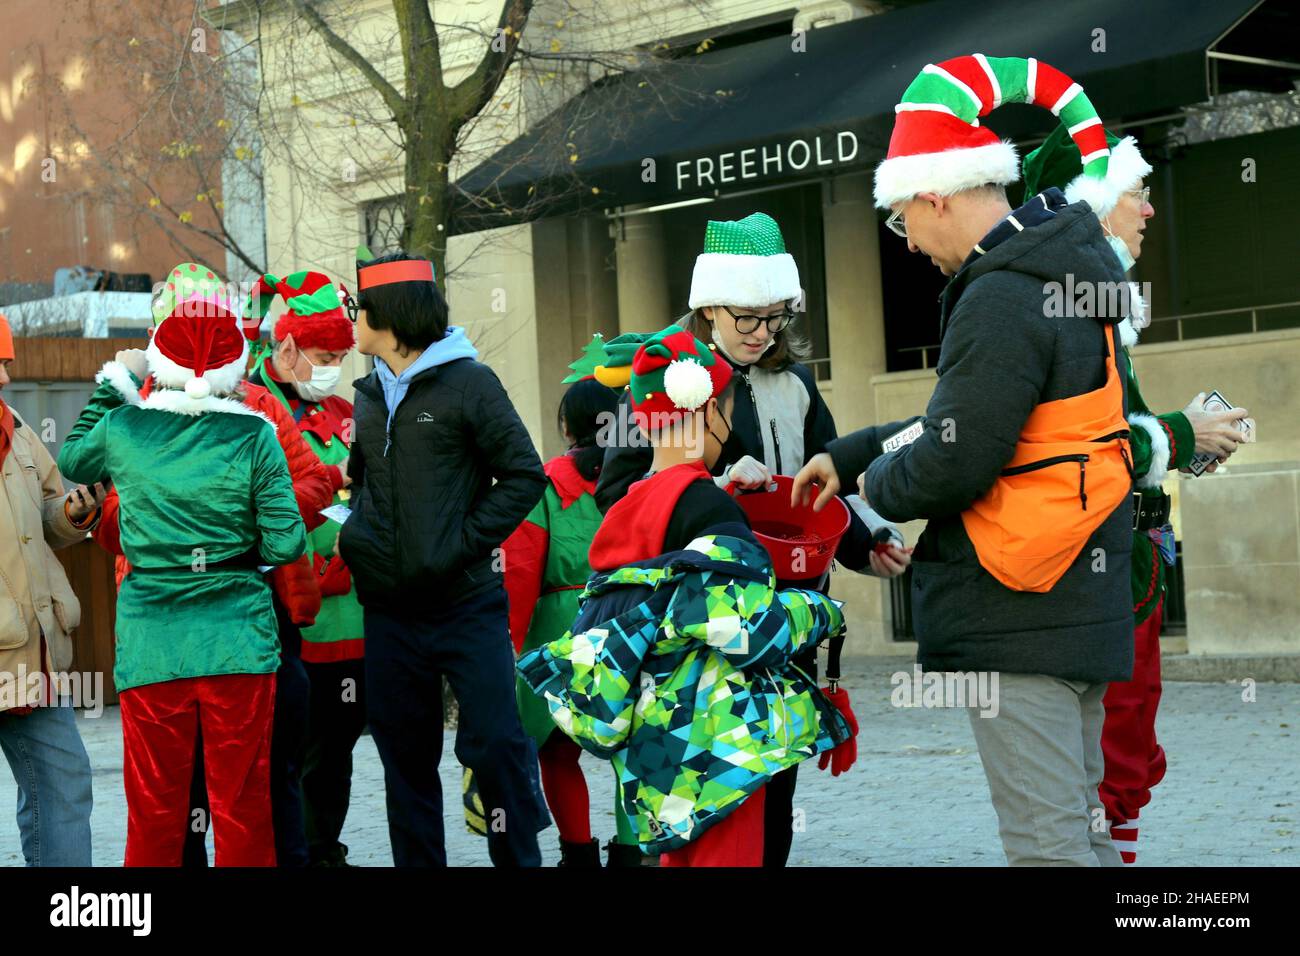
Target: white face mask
[
  {"x": 324, "y": 379},
  {"x": 1120, "y": 248}
]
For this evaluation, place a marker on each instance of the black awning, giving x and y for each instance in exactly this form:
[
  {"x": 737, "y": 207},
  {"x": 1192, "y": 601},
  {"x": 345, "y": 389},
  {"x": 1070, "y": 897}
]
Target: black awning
[{"x": 761, "y": 114}]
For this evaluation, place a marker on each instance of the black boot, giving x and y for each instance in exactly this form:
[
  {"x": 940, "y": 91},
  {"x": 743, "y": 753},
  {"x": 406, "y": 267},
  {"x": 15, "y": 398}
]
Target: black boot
[
  {"x": 582, "y": 856},
  {"x": 623, "y": 854},
  {"x": 338, "y": 856}
]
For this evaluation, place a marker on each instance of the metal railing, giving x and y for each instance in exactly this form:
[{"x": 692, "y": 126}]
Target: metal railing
[{"x": 1251, "y": 310}]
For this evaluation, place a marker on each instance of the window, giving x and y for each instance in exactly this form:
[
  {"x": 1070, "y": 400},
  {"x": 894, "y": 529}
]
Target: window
[{"x": 385, "y": 221}]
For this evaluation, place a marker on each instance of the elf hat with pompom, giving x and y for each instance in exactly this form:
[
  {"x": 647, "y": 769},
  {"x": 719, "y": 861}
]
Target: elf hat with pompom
[
  {"x": 315, "y": 317},
  {"x": 939, "y": 146},
  {"x": 673, "y": 373},
  {"x": 1056, "y": 163},
  {"x": 744, "y": 263}
]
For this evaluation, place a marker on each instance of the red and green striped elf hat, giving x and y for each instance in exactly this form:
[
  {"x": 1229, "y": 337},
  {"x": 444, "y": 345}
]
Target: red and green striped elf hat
[
  {"x": 939, "y": 146},
  {"x": 315, "y": 318},
  {"x": 673, "y": 372}
]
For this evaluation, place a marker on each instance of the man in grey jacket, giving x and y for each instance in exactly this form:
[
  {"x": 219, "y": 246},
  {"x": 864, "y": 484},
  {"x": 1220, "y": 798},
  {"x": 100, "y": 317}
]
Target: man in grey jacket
[{"x": 1005, "y": 352}]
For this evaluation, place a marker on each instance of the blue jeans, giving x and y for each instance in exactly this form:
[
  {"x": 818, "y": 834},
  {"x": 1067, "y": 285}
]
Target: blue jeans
[{"x": 49, "y": 763}]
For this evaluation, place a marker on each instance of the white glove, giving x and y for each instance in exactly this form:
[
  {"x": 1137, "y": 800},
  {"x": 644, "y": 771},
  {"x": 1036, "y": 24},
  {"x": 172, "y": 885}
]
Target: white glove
[
  {"x": 749, "y": 472},
  {"x": 872, "y": 519}
]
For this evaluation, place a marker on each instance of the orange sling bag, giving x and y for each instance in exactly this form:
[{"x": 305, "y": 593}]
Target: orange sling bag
[{"x": 1070, "y": 470}]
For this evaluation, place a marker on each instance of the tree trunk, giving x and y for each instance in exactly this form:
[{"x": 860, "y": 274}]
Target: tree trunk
[{"x": 427, "y": 195}]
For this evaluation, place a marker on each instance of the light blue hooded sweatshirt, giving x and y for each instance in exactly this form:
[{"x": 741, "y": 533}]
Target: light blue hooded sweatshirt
[{"x": 454, "y": 345}]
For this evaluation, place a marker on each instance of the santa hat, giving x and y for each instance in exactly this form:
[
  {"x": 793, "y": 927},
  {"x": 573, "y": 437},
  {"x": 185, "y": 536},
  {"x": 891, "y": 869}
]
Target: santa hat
[
  {"x": 673, "y": 372},
  {"x": 1057, "y": 163},
  {"x": 744, "y": 263},
  {"x": 198, "y": 344},
  {"x": 315, "y": 316},
  {"x": 939, "y": 146}
]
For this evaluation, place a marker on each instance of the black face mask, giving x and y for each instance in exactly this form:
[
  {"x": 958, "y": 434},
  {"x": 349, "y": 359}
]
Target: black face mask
[{"x": 721, "y": 443}]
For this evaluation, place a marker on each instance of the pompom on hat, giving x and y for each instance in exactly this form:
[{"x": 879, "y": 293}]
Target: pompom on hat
[
  {"x": 744, "y": 263},
  {"x": 1057, "y": 163},
  {"x": 939, "y": 146},
  {"x": 315, "y": 315},
  {"x": 674, "y": 373}
]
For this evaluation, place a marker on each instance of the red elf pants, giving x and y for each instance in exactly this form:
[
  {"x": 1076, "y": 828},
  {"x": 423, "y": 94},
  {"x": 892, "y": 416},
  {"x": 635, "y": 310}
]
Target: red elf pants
[
  {"x": 1135, "y": 762},
  {"x": 159, "y": 723},
  {"x": 736, "y": 841}
]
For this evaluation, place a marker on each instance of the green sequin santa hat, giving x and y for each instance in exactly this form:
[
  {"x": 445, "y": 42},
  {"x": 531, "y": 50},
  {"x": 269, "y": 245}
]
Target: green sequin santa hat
[
  {"x": 1057, "y": 163},
  {"x": 674, "y": 373},
  {"x": 315, "y": 316},
  {"x": 744, "y": 263},
  {"x": 939, "y": 146}
]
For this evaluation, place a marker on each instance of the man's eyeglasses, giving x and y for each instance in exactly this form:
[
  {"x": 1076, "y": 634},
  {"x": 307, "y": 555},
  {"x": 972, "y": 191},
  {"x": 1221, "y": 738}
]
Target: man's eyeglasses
[
  {"x": 1142, "y": 194},
  {"x": 746, "y": 323},
  {"x": 897, "y": 225},
  {"x": 350, "y": 305}
]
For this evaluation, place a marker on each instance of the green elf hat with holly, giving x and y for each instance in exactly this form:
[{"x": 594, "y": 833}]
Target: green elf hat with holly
[
  {"x": 744, "y": 263},
  {"x": 315, "y": 316},
  {"x": 1057, "y": 163},
  {"x": 198, "y": 344},
  {"x": 674, "y": 373},
  {"x": 609, "y": 363},
  {"x": 939, "y": 146}
]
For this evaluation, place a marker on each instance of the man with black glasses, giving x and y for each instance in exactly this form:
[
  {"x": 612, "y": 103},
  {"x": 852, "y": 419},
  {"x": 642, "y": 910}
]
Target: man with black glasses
[{"x": 443, "y": 471}]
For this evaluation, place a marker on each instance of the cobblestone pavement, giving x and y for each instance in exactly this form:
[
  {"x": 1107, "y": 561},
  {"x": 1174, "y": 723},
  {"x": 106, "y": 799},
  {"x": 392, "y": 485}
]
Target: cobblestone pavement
[{"x": 917, "y": 795}]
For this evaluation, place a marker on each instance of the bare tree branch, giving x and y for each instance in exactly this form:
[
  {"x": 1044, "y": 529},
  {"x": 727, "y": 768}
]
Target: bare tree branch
[{"x": 396, "y": 102}]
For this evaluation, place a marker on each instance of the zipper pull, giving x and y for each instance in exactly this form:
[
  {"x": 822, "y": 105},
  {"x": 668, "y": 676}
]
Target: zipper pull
[
  {"x": 1083, "y": 495},
  {"x": 776, "y": 444},
  {"x": 1127, "y": 463}
]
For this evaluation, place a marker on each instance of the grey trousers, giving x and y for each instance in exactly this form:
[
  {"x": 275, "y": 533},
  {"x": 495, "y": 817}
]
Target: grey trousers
[{"x": 1042, "y": 757}]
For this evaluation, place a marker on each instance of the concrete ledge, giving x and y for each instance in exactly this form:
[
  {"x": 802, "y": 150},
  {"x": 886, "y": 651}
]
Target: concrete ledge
[
  {"x": 1208, "y": 668},
  {"x": 1268, "y": 669}
]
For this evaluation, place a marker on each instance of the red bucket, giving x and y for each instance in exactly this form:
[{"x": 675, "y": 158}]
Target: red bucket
[{"x": 801, "y": 541}]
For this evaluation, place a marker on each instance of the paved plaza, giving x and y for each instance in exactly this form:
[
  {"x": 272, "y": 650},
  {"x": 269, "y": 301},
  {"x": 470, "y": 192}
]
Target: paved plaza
[{"x": 916, "y": 797}]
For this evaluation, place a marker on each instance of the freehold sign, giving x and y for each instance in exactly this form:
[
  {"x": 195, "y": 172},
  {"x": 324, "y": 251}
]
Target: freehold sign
[{"x": 804, "y": 154}]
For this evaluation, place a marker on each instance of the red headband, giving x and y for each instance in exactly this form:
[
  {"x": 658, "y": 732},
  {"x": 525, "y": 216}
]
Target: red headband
[{"x": 386, "y": 273}]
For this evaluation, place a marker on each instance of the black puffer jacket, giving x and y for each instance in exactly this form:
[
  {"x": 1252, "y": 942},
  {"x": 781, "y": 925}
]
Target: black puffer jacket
[
  {"x": 426, "y": 513},
  {"x": 1002, "y": 354}
]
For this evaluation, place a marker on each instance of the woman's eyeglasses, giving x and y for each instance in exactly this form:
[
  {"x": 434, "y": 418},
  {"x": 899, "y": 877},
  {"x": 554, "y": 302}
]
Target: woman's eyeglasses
[{"x": 746, "y": 323}]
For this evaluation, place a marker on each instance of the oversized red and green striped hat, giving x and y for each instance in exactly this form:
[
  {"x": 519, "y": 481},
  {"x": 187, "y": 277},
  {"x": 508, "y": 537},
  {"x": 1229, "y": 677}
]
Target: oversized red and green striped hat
[
  {"x": 315, "y": 318},
  {"x": 939, "y": 146}
]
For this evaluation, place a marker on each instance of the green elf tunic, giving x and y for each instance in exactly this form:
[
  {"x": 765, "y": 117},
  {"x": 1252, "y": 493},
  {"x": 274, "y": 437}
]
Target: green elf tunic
[
  {"x": 545, "y": 570},
  {"x": 205, "y": 499},
  {"x": 338, "y": 634},
  {"x": 1160, "y": 442}
]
